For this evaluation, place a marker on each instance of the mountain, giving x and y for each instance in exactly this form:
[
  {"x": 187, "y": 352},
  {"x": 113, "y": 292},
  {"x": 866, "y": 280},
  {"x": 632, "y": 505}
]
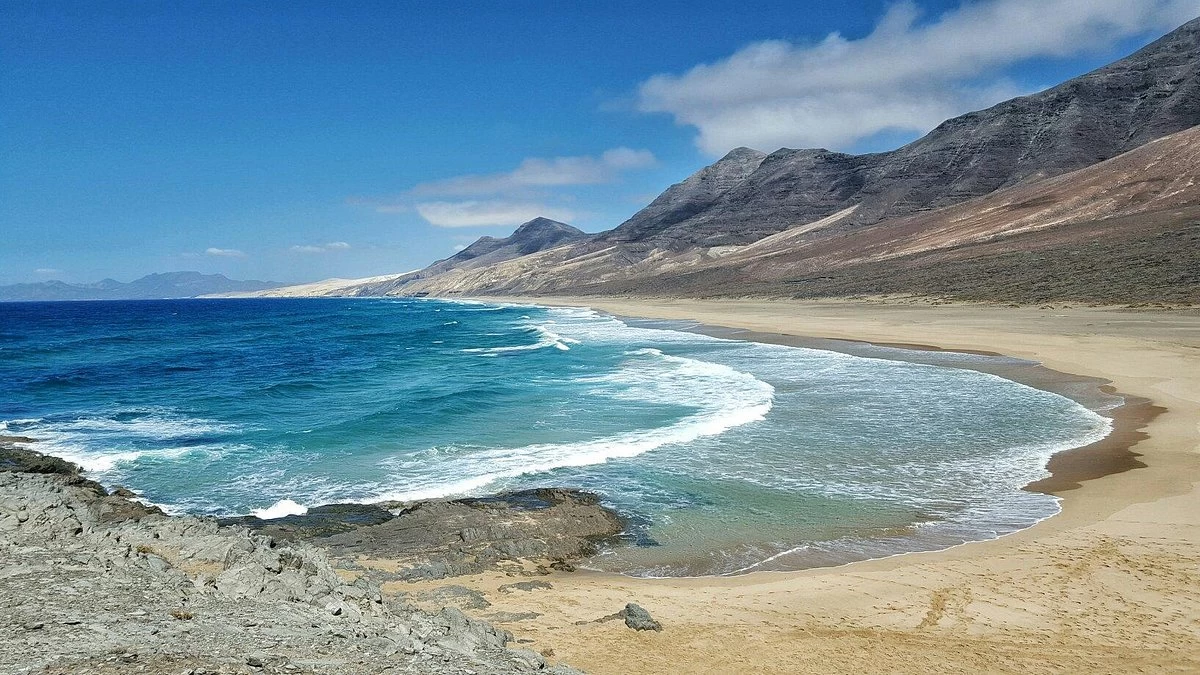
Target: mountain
[
  {"x": 1091, "y": 118},
  {"x": 535, "y": 236},
  {"x": 1123, "y": 231},
  {"x": 1086, "y": 191},
  {"x": 152, "y": 286}
]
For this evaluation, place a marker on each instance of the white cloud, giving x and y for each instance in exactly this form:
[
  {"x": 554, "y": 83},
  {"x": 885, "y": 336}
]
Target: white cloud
[
  {"x": 459, "y": 247},
  {"x": 476, "y": 213},
  {"x": 537, "y": 172},
  {"x": 224, "y": 252},
  {"x": 326, "y": 248},
  {"x": 904, "y": 75},
  {"x": 47, "y": 270}
]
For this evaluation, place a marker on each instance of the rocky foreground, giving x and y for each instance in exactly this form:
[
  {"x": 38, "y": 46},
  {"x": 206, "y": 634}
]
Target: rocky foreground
[{"x": 98, "y": 583}]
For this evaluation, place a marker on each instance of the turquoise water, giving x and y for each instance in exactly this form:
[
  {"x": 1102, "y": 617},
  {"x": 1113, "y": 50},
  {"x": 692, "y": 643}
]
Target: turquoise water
[{"x": 726, "y": 455}]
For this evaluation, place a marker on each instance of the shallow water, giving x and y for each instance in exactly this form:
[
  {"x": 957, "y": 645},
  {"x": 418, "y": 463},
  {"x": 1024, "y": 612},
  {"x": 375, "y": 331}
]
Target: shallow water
[{"x": 726, "y": 455}]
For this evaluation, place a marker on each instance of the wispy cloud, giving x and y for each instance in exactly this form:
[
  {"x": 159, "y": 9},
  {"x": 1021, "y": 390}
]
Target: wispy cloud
[
  {"x": 46, "y": 271},
  {"x": 539, "y": 172},
  {"x": 224, "y": 252},
  {"x": 905, "y": 75},
  {"x": 512, "y": 197},
  {"x": 485, "y": 213},
  {"x": 324, "y": 248}
]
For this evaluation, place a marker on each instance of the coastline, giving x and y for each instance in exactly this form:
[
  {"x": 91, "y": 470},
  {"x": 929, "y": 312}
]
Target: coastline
[
  {"x": 1111, "y": 583},
  {"x": 1076, "y": 591}
]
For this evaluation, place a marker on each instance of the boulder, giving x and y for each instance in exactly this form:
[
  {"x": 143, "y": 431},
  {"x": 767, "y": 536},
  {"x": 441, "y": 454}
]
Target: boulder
[{"x": 637, "y": 618}]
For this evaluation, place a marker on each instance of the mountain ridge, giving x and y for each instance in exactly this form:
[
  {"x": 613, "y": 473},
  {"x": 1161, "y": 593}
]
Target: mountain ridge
[
  {"x": 1090, "y": 118},
  {"x": 809, "y": 207},
  {"x": 157, "y": 286}
]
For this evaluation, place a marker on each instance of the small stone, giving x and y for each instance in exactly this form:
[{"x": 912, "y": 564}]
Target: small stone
[
  {"x": 638, "y": 618},
  {"x": 254, "y": 662},
  {"x": 36, "y": 625}
]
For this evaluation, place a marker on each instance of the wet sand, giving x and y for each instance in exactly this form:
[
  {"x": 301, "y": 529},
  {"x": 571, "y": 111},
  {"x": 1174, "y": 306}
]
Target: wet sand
[{"x": 1111, "y": 584}]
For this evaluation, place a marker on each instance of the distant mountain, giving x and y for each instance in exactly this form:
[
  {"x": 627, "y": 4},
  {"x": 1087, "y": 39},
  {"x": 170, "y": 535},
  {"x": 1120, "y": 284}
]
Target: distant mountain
[
  {"x": 535, "y": 236},
  {"x": 152, "y": 286}
]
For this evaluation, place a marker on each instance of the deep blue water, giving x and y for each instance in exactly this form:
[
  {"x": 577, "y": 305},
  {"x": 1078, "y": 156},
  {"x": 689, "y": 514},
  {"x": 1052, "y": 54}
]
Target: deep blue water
[{"x": 727, "y": 455}]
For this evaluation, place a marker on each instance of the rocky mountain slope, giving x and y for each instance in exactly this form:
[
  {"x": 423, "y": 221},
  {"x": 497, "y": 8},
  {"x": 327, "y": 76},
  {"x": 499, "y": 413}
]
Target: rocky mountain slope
[
  {"x": 149, "y": 287},
  {"x": 1088, "y": 119},
  {"x": 535, "y": 236},
  {"x": 1056, "y": 195},
  {"x": 1121, "y": 231}
]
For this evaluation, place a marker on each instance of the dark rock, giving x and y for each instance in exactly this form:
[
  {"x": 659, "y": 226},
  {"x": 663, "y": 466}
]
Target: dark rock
[
  {"x": 461, "y": 596},
  {"x": 319, "y": 521},
  {"x": 525, "y": 586},
  {"x": 441, "y": 538},
  {"x": 638, "y": 618},
  {"x": 512, "y": 617}
]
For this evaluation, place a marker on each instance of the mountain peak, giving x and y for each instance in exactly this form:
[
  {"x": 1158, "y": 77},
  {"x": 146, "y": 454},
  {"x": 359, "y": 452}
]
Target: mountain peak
[
  {"x": 741, "y": 153},
  {"x": 543, "y": 225}
]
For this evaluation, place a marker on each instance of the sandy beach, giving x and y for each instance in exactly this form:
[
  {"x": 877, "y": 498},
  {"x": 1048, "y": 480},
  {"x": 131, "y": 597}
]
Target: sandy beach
[{"x": 1111, "y": 584}]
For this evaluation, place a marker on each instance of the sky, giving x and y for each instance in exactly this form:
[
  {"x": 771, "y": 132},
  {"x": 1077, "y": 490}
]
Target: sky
[{"x": 305, "y": 140}]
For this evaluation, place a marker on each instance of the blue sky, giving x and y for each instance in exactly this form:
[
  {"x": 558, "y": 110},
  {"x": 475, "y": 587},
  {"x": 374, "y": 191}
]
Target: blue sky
[{"x": 297, "y": 141}]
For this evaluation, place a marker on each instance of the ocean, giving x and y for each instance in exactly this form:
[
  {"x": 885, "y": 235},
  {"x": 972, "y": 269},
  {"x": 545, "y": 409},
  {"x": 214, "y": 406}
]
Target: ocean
[{"x": 726, "y": 456}]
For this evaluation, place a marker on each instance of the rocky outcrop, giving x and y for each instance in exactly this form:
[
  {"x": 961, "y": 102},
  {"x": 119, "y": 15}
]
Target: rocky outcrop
[
  {"x": 84, "y": 589},
  {"x": 450, "y": 537}
]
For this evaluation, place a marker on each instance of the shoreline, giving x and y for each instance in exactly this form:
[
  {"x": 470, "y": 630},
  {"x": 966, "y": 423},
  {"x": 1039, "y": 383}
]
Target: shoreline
[
  {"x": 1109, "y": 584},
  {"x": 1068, "y": 468},
  {"x": 1046, "y": 595},
  {"x": 1109, "y": 455}
]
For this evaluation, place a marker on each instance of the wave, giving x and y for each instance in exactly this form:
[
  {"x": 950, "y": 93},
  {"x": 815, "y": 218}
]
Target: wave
[
  {"x": 546, "y": 338},
  {"x": 722, "y": 397},
  {"x": 101, "y": 443},
  {"x": 281, "y": 508}
]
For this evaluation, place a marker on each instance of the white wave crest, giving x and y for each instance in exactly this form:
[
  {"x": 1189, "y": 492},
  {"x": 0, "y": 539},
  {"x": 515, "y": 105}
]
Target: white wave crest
[
  {"x": 281, "y": 508},
  {"x": 723, "y": 397},
  {"x": 546, "y": 338}
]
